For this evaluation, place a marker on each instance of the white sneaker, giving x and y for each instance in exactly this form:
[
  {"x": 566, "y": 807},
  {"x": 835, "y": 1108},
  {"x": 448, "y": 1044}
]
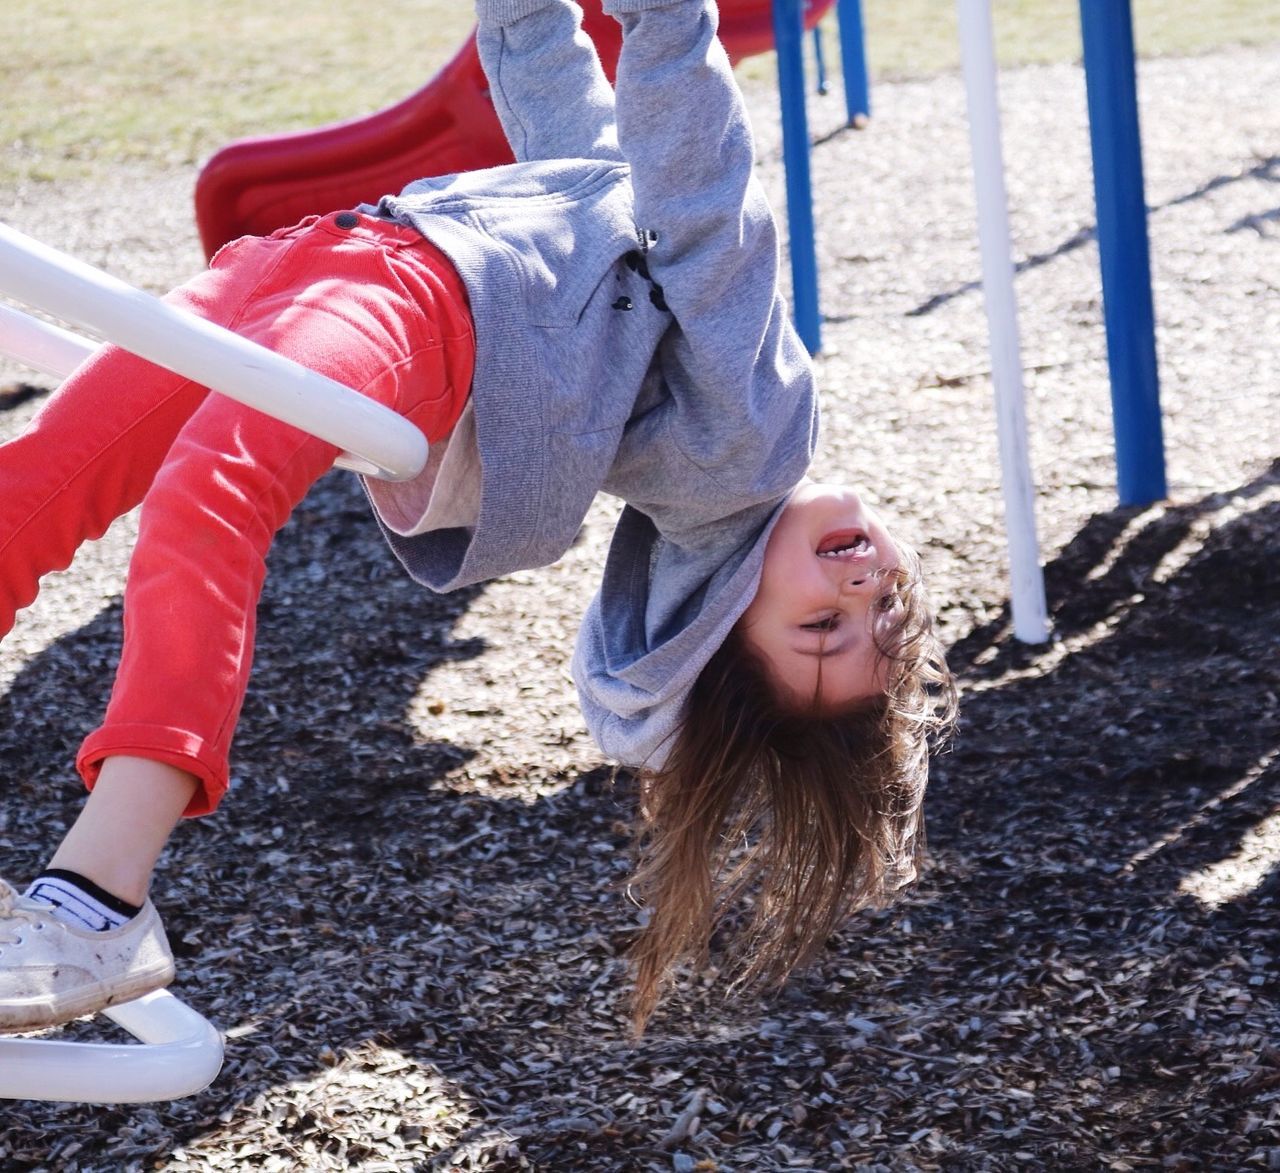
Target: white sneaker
[{"x": 51, "y": 972}]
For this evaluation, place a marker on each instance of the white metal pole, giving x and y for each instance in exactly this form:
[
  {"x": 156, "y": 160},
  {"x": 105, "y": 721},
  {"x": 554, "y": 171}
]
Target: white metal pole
[
  {"x": 72, "y": 291},
  {"x": 1030, "y": 614},
  {"x": 41, "y": 345}
]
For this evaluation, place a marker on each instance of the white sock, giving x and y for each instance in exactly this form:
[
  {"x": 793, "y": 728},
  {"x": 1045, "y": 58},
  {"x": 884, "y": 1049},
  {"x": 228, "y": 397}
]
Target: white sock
[{"x": 79, "y": 902}]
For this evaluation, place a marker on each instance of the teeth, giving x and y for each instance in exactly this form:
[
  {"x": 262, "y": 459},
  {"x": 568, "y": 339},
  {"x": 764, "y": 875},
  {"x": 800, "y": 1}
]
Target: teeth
[{"x": 852, "y": 547}]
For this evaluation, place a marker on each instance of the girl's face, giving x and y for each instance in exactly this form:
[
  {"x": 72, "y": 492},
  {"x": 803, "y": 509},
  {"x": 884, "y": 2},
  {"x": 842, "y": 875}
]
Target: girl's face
[{"x": 825, "y": 592}]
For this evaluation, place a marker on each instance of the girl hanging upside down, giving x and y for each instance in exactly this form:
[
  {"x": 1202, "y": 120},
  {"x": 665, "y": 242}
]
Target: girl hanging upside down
[{"x": 601, "y": 316}]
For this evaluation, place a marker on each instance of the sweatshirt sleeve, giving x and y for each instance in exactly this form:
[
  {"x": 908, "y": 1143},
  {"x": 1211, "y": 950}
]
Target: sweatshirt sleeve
[
  {"x": 744, "y": 404},
  {"x": 547, "y": 84}
]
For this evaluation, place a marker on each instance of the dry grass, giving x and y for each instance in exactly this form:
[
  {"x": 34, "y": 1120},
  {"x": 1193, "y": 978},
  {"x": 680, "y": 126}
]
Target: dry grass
[{"x": 92, "y": 83}]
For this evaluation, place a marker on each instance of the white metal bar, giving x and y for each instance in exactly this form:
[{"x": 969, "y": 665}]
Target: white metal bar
[
  {"x": 40, "y": 345},
  {"x": 1030, "y": 614},
  {"x": 180, "y": 1053},
  {"x": 376, "y": 440}
]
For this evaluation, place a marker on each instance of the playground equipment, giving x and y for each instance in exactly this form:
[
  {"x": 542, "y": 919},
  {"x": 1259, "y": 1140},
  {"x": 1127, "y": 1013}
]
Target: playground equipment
[
  {"x": 1116, "y": 146},
  {"x": 376, "y": 440},
  {"x": 1107, "y": 28},
  {"x": 179, "y": 1054},
  {"x": 1126, "y": 279},
  {"x": 788, "y": 33},
  {"x": 1026, "y": 578}
]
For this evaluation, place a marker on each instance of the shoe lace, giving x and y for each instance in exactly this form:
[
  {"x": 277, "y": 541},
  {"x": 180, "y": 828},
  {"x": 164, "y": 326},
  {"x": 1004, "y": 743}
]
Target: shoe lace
[{"x": 14, "y": 915}]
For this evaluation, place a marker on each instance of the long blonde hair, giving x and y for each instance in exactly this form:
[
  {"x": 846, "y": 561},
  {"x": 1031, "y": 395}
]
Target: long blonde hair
[{"x": 812, "y": 815}]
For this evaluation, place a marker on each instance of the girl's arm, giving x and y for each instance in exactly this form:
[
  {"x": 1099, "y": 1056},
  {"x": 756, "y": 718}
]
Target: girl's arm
[
  {"x": 741, "y": 381},
  {"x": 684, "y": 130},
  {"x": 548, "y": 87}
]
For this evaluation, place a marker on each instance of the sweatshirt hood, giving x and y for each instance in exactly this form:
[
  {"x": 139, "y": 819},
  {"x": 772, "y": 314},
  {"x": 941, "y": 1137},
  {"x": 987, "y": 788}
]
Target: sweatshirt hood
[{"x": 634, "y": 692}]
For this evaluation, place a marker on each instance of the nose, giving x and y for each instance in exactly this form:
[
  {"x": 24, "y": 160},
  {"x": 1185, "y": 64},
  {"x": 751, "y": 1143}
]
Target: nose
[
  {"x": 862, "y": 583},
  {"x": 857, "y": 584}
]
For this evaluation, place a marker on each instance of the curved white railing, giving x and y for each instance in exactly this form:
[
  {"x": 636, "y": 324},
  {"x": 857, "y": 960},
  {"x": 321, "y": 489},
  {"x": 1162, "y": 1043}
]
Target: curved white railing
[
  {"x": 179, "y": 1054},
  {"x": 376, "y": 440}
]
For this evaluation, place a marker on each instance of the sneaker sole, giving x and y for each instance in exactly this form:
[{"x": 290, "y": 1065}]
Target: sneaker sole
[{"x": 41, "y": 1014}]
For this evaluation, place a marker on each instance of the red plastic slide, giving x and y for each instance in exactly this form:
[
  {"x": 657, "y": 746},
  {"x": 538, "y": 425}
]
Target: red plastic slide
[{"x": 257, "y": 185}]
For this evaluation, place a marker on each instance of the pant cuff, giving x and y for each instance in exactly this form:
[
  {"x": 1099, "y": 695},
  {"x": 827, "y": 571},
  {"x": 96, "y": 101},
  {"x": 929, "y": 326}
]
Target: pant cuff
[{"x": 159, "y": 743}]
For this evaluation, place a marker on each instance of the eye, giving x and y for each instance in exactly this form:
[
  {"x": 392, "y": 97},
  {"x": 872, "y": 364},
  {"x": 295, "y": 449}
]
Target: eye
[
  {"x": 887, "y": 602},
  {"x": 829, "y": 623}
]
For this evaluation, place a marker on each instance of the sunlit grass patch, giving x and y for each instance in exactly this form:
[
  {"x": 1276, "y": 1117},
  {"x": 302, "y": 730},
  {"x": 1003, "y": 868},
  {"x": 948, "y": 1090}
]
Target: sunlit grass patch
[{"x": 91, "y": 83}]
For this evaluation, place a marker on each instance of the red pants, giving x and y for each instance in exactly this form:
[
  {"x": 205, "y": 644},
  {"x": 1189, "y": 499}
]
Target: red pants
[{"x": 367, "y": 303}]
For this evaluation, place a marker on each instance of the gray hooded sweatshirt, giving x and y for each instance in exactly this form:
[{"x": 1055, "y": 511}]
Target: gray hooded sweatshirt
[{"x": 630, "y": 339}]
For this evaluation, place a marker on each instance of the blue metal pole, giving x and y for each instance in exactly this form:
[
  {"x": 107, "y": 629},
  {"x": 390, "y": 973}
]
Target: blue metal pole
[
  {"x": 820, "y": 60},
  {"x": 1107, "y": 27},
  {"x": 788, "y": 31},
  {"x": 853, "y": 62}
]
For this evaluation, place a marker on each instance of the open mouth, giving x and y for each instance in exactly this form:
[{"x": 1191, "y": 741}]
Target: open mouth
[{"x": 844, "y": 544}]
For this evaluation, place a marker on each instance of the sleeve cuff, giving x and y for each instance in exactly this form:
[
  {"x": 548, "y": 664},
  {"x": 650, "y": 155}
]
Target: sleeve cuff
[
  {"x": 500, "y": 12},
  {"x": 623, "y": 7}
]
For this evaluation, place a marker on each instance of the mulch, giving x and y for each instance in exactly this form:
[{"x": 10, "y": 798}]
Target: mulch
[{"x": 410, "y": 916}]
